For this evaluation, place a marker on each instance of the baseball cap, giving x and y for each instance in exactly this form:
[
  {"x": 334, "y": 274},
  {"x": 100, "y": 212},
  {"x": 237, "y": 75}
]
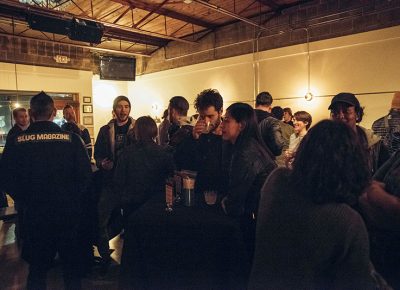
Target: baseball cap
[{"x": 347, "y": 98}]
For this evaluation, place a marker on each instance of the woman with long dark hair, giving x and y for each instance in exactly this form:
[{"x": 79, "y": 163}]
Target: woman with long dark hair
[
  {"x": 249, "y": 166},
  {"x": 141, "y": 171},
  {"x": 308, "y": 236}
]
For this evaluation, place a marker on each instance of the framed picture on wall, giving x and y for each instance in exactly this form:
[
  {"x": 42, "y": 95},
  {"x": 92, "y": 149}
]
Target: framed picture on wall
[
  {"x": 87, "y": 109},
  {"x": 87, "y": 100},
  {"x": 87, "y": 120}
]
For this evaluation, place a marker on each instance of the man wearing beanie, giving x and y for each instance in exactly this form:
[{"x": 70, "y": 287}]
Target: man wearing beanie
[
  {"x": 388, "y": 127},
  {"x": 112, "y": 138}
]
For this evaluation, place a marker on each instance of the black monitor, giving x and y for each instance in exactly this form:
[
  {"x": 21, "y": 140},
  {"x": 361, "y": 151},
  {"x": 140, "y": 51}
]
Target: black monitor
[{"x": 117, "y": 68}]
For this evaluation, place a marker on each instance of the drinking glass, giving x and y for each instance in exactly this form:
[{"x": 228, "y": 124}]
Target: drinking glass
[{"x": 210, "y": 196}]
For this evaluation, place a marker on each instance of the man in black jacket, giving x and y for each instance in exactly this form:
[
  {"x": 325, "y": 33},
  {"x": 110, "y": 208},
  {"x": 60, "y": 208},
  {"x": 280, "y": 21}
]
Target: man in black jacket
[
  {"x": 269, "y": 127},
  {"x": 47, "y": 171},
  {"x": 110, "y": 142},
  {"x": 207, "y": 141}
]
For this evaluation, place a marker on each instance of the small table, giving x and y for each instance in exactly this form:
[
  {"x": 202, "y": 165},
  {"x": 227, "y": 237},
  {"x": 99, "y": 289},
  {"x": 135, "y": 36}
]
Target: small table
[{"x": 188, "y": 248}]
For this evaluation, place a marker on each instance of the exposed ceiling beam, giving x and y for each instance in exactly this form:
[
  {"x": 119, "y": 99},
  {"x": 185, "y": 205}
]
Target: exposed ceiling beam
[
  {"x": 121, "y": 15},
  {"x": 165, "y": 12},
  {"x": 286, "y": 6},
  {"x": 10, "y": 9},
  {"x": 158, "y": 7},
  {"x": 229, "y": 13},
  {"x": 134, "y": 37},
  {"x": 79, "y": 45},
  {"x": 270, "y": 3}
]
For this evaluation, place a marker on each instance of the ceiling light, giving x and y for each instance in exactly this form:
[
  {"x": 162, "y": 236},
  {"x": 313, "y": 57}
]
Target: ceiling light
[
  {"x": 309, "y": 96},
  {"x": 187, "y": 1}
]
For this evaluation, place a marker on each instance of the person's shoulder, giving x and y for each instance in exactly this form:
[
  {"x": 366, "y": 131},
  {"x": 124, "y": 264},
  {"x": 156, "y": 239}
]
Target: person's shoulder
[
  {"x": 286, "y": 126},
  {"x": 249, "y": 150},
  {"x": 105, "y": 128},
  {"x": 81, "y": 127},
  {"x": 378, "y": 122},
  {"x": 279, "y": 174},
  {"x": 372, "y": 138},
  {"x": 341, "y": 215}
]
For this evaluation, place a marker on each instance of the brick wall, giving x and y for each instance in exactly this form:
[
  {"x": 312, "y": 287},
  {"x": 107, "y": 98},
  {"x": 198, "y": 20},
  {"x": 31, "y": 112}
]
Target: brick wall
[
  {"x": 324, "y": 19},
  {"x": 42, "y": 53}
]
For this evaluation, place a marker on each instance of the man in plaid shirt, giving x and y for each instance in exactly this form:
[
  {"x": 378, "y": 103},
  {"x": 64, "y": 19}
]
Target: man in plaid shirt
[{"x": 388, "y": 127}]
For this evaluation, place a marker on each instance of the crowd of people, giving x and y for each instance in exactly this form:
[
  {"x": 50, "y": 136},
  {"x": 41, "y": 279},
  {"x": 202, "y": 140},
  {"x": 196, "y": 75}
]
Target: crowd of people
[{"x": 318, "y": 206}]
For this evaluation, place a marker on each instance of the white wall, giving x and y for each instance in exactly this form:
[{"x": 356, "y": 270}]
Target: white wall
[
  {"x": 38, "y": 78},
  {"x": 361, "y": 63},
  {"x": 104, "y": 92},
  {"x": 233, "y": 77}
]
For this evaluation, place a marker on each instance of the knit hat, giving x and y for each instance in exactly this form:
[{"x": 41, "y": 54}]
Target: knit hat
[
  {"x": 119, "y": 99},
  {"x": 396, "y": 101}
]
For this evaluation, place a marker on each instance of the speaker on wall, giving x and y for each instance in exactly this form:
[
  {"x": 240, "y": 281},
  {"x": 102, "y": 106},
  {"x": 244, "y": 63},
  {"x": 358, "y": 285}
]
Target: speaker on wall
[
  {"x": 86, "y": 30},
  {"x": 117, "y": 68},
  {"x": 48, "y": 23}
]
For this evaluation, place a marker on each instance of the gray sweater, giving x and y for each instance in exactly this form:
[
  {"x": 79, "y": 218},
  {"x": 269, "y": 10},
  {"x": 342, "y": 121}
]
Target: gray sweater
[{"x": 303, "y": 245}]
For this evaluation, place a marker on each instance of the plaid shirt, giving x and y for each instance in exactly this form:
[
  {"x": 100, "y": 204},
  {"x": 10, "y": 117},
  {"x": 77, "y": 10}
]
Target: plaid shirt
[{"x": 388, "y": 128}]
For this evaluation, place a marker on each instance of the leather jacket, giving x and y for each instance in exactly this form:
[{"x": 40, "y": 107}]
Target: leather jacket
[
  {"x": 249, "y": 168},
  {"x": 271, "y": 133}
]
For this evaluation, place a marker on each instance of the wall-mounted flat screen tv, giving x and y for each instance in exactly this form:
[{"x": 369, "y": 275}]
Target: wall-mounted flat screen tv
[{"x": 117, "y": 68}]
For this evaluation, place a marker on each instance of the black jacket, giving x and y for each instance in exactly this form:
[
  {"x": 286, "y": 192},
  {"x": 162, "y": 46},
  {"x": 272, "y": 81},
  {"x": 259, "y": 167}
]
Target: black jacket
[
  {"x": 84, "y": 133},
  {"x": 249, "y": 168},
  {"x": 15, "y": 130},
  {"x": 271, "y": 133},
  {"x": 48, "y": 172},
  {"x": 178, "y": 146},
  {"x": 105, "y": 146},
  {"x": 204, "y": 156},
  {"x": 141, "y": 172},
  {"x": 270, "y": 130}
]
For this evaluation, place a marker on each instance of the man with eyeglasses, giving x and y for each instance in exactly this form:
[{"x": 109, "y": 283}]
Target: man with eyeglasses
[{"x": 346, "y": 108}]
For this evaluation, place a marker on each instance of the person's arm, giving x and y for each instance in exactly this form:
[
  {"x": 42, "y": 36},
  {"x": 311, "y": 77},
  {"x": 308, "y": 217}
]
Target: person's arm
[
  {"x": 83, "y": 168},
  {"x": 9, "y": 169},
  {"x": 101, "y": 150},
  {"x": 242, "y": 177},
  {"x": 383, "y": 170},
  {"x": 379, "y": 207},
  {"x": 378, "y": 197},
  {"x": 271, "y": 133},
  {"x": 88, "y": 142}
]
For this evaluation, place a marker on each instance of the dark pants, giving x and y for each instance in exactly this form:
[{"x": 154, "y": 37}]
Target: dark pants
[
  {"x": 42, "y": 240},
  {"x": 108, "y": 203}
]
